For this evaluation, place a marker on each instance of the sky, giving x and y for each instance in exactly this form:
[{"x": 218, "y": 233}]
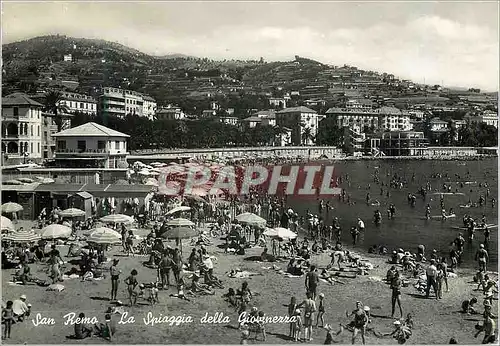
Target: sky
[{"x": 446, "y": 43}]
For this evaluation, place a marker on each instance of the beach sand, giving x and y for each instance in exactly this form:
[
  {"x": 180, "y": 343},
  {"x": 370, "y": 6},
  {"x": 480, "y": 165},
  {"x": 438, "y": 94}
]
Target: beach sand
[{"x": 435, "y": 321}]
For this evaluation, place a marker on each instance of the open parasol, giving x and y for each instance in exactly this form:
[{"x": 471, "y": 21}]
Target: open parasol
[
  {"x": 178, "y": 209},
  {"x": 7, "y": 225},
  {"x": 180, "y": 222},
  {"x": 11, "y": 207},
  {"x": 23, "y": 236},
  {"x": 179, "y": 233},
  {"x": 105, "y": 236},
  {"x": 117, "y": 218},
  {"x": 71, "y": 212},
  {"x": 251, "y": 219},
  {"x": 56, "y": 231}
]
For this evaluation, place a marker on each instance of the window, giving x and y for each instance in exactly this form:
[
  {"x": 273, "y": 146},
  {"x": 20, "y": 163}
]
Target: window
[
  {"x": 38, "y": 131},
  {"x": 16, "y": 111},
  {"x": 38, "y": 145},
  {"x": 61, "y": 145},
  {"x": 31, "y": 147},
  {"x": 117, "y": 145},
  {"x": 81, "y": 104},
  {"x": 101, "y": 145},
  {"x": 45, "y": 136},
  {"x": 31, "y": 131},
  {"x": 82, "y": 145}
]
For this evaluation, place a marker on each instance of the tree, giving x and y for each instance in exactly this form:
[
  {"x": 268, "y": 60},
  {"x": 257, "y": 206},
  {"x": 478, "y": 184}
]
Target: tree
[{"x": 56, "y": 110}]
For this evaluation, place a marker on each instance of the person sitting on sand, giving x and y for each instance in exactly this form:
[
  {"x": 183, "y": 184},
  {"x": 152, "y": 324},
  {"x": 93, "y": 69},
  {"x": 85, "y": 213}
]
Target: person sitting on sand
[
  {"x": 401, "y": 333},
  {"x": 265, "y": 257},
  {"x": 106, "y": 330},
  {"x": 197, "y": 287},
  {"x": 330, "y": 334},
  {"x": 82, "y": 331},
  {"x": 468, "y": 306}
]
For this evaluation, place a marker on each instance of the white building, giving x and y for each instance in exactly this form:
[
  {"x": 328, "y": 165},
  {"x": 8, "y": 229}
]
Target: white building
[
  {"x": 489, "y": 118},
  {"x": 359, "y": 104},
  {"x": 149, "y": 107},
  {"x": 303, "y": 122},
  {"x": 277, "y": 102},
  {"x": 91, "y": 145},
  {"x": 384, "y": 118},
  {"x": 437, "y": 125},
  {"x": 121, "y": 102},
  {"x": 68, "y": 57},
  {"x": 79, "y": 103},
  {"x": 21, "y": 128},
  {"x": 170, "y": 113},
  {"x": 229, "y": 120}
]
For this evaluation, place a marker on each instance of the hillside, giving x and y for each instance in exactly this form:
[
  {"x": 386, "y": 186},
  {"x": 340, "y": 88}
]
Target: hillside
[{"x": 174, "y": 78}]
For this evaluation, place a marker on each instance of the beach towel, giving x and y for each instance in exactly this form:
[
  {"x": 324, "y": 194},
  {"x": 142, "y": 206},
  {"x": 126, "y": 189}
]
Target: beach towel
[
  {"x": 242, "y": 274},
  {"x": 55, "y": 288}
]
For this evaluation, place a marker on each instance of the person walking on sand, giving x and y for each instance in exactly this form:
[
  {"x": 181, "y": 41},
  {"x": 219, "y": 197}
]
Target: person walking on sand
[
  {"x": 359, "y": 323},
  {"x": 132, "y": 283},
  {"x": 482, "y": 257},
  {"x": 312, "y": 280},
  {"x": 396, "y": 294},
  {"x": 321, "y": 310},
  {"x": 431, "y": 274}
]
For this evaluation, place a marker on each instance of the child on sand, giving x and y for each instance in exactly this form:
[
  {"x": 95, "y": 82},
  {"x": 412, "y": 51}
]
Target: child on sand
[
  {"x": 131, "y": 282},
  {"x": 321, "y": 310},
  {"x": 297, "y": 328},
  {"x": 7, "y": 318}
]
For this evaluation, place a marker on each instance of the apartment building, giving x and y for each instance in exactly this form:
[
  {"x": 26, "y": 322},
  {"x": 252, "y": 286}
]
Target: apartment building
[
  {"x": 489, "y": 118},
  {"x": 21, "y": 129},
  {"x": 303, "y": 121},
  {"x": 170, "y": 113},
  {"x": 384, "y": 118},
  {"x": 121, "y": 102},
  {"x": 79, "y": 103}
]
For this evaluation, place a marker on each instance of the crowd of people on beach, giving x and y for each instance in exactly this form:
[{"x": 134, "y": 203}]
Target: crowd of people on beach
[{"x": 195, "y": 275}]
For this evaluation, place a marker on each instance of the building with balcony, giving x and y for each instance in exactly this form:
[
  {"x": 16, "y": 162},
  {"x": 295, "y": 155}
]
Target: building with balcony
[
  {"x": 121, "y": 102},
  {"x": 384, "y": 118},
  {"x": 75, "y": 102},
  {"x": 91, "y": 146},
  {"x": 149, "y": 107},
  {"x": 21, "y": 129},
  {"x": 303, "y": 121},
  {"x": 354, "y": 141},
  {"x": 359, "y": 104}
]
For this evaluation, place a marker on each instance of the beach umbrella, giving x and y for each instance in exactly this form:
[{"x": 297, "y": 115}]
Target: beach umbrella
[
  {"x": 179, "y": 233},
  {"x": 43, "y": 180},
  {"x": 105, "y": 236},
  {"x": 23, "y": 236},
  {"x": 71, "y": 212},
  {"x": 178, "y": 209},
  {"x": 13, "y": 182},
  {"x": 280, "y": 232},
  {"x": 180, "y": 222},
  {"x": 7, "y": 225},
  {"x": 151, "y": 181},
  {"x": 26, "y": 180},
  {"x": 11, "y": 207},
  {"x": 117, "y": 218},
  {"x": 103, "y": 229},
  {"x": 251, "y": 219},
  {"x": 56, "y": 231}
]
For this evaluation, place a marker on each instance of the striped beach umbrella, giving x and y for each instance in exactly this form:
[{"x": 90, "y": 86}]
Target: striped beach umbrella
[
  {"x": 180, "y": 222},
  {"x": 23, "y": 236},
  {"x": 71, "y": 212},
  {"x": 7, "y": 225},
  {"x": 117, "y": 218},
  {"x": 251, "y": 219},
  {"x": 56, "y": 231},
  {"x": 103, "y": 235},
  {"x": 11, "y": 207}
]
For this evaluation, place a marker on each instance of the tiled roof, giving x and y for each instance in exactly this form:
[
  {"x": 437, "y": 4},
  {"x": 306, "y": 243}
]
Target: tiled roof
[
  {"x": 300, "y": 109},
  {"x": 19, "y": 99},
  {"x": 148, "y": 98},
  {"x": 253, "y": 118},
  {"x": 90, "y": 130}
]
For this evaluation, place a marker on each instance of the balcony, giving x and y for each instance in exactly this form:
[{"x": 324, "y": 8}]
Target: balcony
[{"x": 82, "y": 152}]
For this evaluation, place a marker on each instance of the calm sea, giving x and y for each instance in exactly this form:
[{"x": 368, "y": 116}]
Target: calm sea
[{"x": 409, "y": 229}]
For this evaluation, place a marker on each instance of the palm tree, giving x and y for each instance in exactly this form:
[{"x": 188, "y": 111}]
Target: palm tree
[
  {"x": 55, "y": 109},
  {"x": 306, "y": 135}
]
